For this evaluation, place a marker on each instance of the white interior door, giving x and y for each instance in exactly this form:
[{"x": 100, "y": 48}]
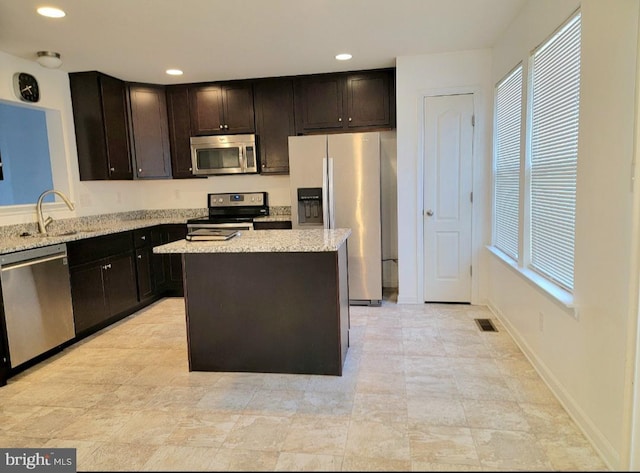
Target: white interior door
[{"x": 447, "y": 211}]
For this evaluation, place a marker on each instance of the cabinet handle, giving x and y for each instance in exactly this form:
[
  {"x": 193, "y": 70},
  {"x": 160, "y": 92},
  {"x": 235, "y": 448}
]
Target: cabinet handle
[
  {"x": 143, "y": 237},
  {"x": 139, "y": 170},
  {"x": 340, "y": 119},
  {"x": 190, "y": 169},
  {"x": 112, "y": 169},
  {"x": 221, "y": 127},
  {"x": 139, "y": 256},
  {"x": 226, "y": 127},
  {"x": 349, "y": 118}
]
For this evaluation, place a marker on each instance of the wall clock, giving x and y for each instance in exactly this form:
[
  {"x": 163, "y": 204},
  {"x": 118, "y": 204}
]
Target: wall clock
[{"x": 26, "y": 87}]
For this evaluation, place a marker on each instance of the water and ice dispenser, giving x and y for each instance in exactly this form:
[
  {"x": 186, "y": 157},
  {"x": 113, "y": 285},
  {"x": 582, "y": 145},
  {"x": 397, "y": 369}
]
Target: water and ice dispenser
[{"x": 310, "y": 205}]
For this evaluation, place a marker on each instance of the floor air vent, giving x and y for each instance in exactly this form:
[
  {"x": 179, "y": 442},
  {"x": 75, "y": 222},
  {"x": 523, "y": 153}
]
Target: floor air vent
[{"x": 486, "y": 325}]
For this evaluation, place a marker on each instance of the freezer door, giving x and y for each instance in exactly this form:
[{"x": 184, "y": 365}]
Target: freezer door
[
  {"x": 306, "y": 157},
  {"x": 356, "y": 194}
]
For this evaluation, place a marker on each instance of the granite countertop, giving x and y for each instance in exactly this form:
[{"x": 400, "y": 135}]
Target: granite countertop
[
  {"x": 71, "y": 229},
  {"x": 265, "y": 241}
]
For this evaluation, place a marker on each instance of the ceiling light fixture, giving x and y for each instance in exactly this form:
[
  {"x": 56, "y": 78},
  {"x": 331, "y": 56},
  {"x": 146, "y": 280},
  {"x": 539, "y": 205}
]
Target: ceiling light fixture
[
  {"x": 49, "y": 59},
  {"x": 343, "y": 57},
  {"x": 51, "y": 12},
  {"x": 174, "y": 72}
]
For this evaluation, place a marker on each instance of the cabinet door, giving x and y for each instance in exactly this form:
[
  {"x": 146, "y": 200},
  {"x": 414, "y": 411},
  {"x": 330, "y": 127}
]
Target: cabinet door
[
  {"x": 173, "y": 261},
  {"x": 149, "y": 130},
  {"x": 120, "y": 283},
  {"x": 144, "y": 273},
  {"x": 115, "y": 125},
  {"x": 319, "y": 102},
  {"x": 100, "y": 126},
  {"x": 238, "y": 109},
  {"x": 87, "y": 294},
  {"x": 206, "y": 110},
  {"x": 158, "y": 260},
  {"x": 179, "y": 131},
  {"x": 368, "y": 100},
  {"x": 275, "y": 122}
]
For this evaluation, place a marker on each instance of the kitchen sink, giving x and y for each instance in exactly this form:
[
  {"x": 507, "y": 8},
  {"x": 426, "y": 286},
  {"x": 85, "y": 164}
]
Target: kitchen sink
[{"x": 58, "y": 234}]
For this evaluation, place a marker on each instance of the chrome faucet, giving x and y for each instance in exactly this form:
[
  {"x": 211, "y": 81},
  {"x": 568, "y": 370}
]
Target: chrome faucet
[{"x": 42, "y": 223}]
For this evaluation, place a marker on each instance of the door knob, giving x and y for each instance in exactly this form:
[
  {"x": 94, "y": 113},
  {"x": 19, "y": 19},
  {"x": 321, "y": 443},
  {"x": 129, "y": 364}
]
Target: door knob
[{"x": 429, "y": 213}]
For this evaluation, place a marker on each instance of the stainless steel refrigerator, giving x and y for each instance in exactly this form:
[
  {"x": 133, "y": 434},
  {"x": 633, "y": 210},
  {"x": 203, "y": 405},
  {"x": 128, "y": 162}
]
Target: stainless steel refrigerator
[{"x": 335, "y": 183}]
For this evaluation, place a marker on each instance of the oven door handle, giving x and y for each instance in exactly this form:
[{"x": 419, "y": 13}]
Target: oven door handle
[{"x": 227, "y": 225}]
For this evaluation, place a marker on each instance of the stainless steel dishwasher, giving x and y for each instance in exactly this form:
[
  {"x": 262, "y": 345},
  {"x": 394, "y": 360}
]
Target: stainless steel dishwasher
[{"x": 37, "y": 301}]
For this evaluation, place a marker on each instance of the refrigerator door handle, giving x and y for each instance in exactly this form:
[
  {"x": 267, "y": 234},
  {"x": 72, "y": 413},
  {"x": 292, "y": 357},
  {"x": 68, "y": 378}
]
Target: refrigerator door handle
[
  {"x": 328, "y": 220},
  {"x": 325, "y": 192}
]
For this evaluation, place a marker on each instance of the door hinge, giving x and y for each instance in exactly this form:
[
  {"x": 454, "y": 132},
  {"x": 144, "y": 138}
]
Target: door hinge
[
  {"x": 471, "y": 197},
  {"x": 473, "y": 120},
  {"x": 470, "y": 270}
]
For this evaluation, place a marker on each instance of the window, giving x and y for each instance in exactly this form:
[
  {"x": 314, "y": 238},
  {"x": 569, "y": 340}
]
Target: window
[
  {"x": 534, "y": 211},
  {"x": 555, "y": 98},
  {"x": 507, "y": 162}
]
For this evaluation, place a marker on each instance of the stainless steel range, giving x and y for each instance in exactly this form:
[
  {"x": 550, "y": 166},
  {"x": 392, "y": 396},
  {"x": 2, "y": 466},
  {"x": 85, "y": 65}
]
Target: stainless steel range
[{"x": 232, "y": 211}]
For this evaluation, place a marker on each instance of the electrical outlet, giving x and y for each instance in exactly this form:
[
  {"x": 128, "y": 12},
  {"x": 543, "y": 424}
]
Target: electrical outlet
[{"x": 541, "y": 321}]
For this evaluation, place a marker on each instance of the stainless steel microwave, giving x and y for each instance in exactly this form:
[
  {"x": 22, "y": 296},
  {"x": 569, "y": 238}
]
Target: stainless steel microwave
[{"x": 224, "y": 154}]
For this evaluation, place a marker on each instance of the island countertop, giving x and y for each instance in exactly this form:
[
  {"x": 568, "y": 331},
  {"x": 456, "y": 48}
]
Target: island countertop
[{"x": 265, "y": 241}]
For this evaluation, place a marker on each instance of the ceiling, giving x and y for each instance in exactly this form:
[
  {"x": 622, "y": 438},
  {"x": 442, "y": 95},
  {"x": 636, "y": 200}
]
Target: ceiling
[{"x": 137, "y": 40}]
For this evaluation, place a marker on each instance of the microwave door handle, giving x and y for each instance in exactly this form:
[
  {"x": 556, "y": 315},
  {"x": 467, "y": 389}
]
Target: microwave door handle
[{"x": 242, "y": 158}]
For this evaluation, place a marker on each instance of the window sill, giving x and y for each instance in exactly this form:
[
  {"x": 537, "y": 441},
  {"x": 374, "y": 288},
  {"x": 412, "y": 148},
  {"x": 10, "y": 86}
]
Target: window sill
[{"x": 560, "y": 296}]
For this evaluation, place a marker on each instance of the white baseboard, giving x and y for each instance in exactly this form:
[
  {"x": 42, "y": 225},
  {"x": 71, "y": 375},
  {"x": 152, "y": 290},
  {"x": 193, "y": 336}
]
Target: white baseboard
[{"x": 584, "y": 423}]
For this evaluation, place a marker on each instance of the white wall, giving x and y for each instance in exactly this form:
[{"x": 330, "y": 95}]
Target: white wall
[
  {"x": 417, "y": 77},
  {"x": 584, "y": 359}
]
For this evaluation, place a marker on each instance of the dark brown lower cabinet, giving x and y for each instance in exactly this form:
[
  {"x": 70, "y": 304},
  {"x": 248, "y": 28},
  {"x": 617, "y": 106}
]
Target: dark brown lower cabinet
[
  {"x": 173, "y": 262},
  {"x": 103, "y": 280},
  {"x": 150, "y": 268},
  {"x": 274, "y": 225},
  {"x": 103, "y": 290}
]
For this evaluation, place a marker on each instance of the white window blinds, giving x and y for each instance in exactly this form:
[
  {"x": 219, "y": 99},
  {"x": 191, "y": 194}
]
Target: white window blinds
[
  {"x": 554, "y": 152},
  {"x": 507, "y": 162}
]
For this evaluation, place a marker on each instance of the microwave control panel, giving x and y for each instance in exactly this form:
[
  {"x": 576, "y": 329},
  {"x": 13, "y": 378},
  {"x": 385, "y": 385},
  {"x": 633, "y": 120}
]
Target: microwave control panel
[{"x": 240, "y": 199}]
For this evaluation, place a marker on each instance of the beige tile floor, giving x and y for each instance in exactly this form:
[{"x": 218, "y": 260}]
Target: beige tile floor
[{"x": 423, "y": 389}]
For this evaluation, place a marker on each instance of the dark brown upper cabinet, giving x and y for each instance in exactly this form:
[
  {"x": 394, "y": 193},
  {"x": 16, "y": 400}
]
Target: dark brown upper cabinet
[
  {"x": 368, "y": 99},
  {"x": 179, "y": 130},
  {"x": 149, "y": 131},
  {"x": 275, "y": 122},
  {"x": 100, "y": 118},
  {"x": 222, "y": 108},
  {"x": 345, "y": 101},
  {"x": 319, "y": 102}
]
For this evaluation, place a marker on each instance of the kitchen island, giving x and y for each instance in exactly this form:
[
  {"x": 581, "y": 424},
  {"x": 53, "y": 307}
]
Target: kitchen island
[{"x": 271, "y": 301}]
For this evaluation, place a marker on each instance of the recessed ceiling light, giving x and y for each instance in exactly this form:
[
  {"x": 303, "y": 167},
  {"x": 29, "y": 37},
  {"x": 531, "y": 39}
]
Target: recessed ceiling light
[
  {"x": 343, "y": 57},
  {"x": 51, "y": 12},
  {"x": 174, "y": 72}
]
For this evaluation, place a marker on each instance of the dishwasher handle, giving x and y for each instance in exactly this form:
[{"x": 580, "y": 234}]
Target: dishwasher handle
[{"x": 30, "y": 262}]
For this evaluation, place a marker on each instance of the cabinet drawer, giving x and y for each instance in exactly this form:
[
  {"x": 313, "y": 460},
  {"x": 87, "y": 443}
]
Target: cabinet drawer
[
  {"x": 92, "y": 249},
  {"x": 276, "y": 225},
  {"x": 142, "y": 237}
]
